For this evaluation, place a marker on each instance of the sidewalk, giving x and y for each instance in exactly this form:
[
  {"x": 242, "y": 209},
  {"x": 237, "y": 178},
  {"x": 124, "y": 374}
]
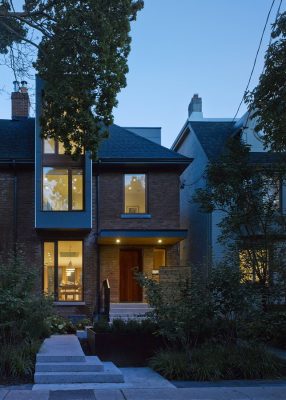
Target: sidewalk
[{"x": 277, "y": 392}]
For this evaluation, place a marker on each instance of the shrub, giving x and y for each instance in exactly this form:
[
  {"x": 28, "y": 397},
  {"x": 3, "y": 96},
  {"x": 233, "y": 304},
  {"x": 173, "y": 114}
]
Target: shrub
[
  {"x": 214, "y": 362},
  {"x": 18, "y": 359},
  {"x": 268, "y": 327},
  {"x": 146, "y": 326},
  {"x": 23, "y": 312},
  {"x": 171, "y": 364}
]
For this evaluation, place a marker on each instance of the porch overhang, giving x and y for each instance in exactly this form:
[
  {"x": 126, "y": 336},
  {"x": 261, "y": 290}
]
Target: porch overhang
[{"x": 142, "y": 237}]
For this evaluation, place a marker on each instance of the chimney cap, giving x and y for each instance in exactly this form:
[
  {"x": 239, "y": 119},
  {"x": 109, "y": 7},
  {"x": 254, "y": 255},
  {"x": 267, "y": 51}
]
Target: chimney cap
[
  {"x": 16, "y": 86},
  {"x": 195, "y": 109}
]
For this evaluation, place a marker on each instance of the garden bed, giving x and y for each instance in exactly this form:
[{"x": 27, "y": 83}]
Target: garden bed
[{"x": 124, "y": 349}]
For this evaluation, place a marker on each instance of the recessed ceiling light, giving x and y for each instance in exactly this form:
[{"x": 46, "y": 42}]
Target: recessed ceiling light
[
  {"x": 117, "y": 240},
  {"x": 159, "y": 240}
]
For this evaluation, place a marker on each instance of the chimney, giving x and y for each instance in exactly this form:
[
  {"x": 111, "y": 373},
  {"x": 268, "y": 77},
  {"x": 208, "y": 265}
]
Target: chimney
[
  {"x": 195, "y": 109},
  {"x": 20, "y": 101}
]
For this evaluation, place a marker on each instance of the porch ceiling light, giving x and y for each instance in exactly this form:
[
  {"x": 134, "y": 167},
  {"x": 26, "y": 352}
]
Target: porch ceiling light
[
  {"x": 117, "y": 240},
  {"x": 159, "y": 240}
]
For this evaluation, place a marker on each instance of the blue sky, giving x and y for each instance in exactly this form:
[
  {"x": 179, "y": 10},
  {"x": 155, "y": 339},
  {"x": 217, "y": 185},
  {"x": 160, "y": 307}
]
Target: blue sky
[{"x": 182, "y": 47}]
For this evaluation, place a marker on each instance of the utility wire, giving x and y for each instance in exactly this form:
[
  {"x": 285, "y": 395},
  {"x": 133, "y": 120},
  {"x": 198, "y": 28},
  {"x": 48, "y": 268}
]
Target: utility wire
[
  {"x": 256, "y": 56},
  {"x": 269, "y": 44}
]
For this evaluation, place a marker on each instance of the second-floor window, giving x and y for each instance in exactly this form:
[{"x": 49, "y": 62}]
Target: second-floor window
[
  {"x": 135, "y": 193},
  {"x": 62, "y": 189},
  {"x": 54, "y": 147}
]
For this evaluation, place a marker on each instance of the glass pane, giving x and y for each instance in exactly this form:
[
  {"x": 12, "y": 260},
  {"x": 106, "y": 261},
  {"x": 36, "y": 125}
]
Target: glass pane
[
  {"x": 55, "y": 189},
  {"x": 49, "y": 146},
  {"x": 135, "y": 193},
  {"x": 77, "y": 189},
  {"x": 70, "y": 270},
  {"x": 62, "y": 148},
  {"x": 253, "y": 263},
  {"x": 49, "y": 268},
  {"x": 159, "y": 258}
]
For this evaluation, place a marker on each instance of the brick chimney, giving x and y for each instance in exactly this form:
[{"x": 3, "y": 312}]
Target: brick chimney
[
  {"x": 195, "y": 109},
  {"x": 20, "y": 101}
]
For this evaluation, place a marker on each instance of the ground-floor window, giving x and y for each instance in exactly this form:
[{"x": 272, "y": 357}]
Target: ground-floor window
[
  {"x": 63, "y": 269},
  {"x": 254, "y": 264}
]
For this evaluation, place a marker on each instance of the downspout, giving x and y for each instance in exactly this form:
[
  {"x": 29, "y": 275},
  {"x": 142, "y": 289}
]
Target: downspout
[
  {"x": 15, "y": 188},
  {"x": 98, "y": 302}
]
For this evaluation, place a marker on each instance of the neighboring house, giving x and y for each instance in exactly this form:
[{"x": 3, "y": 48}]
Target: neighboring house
[
  {"x": 204, "y": 139},
  {"x": 81, "y": 222}
]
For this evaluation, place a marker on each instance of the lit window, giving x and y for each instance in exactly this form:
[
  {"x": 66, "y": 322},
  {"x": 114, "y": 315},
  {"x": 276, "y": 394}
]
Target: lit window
[
  {"x": 63, "y": 274},
  {"x": 254, "y": 264},
  {"x": 49, "y": 146},
  {"x": 135, "y": 194},
  {"x": 62, "y": 189}
]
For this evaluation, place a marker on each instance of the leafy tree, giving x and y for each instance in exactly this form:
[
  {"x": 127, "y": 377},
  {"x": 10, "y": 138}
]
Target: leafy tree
[
  {"x": 267, "y": 101},
  {"x": 82, "y": 57},
  {"x": 248, "y": 198}
]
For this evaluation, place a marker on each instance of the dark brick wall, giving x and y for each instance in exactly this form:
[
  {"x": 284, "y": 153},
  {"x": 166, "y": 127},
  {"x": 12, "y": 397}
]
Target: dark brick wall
[
  {"x": 163, "y": 194},
  {"x": 163, "y": 202}
]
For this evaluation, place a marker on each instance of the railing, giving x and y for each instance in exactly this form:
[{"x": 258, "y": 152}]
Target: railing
[{"x": 105, "y": 298}]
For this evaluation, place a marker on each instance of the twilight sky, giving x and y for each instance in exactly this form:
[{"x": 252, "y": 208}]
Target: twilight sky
[{"x": 182, "y": 47}]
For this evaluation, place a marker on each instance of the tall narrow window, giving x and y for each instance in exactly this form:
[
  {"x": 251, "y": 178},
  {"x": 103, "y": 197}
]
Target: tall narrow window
[
  {"x": 135, "y": 193},
  {"x": 63, "y": 270},
  {"x": 62, "y": 189},
  {"x": 49, "y": 268},
  {"x": 77, "y": 189}
]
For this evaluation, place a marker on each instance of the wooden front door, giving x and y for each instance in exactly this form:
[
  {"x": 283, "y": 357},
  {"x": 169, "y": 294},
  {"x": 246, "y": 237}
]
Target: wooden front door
[{"x": 130, "y": 260}]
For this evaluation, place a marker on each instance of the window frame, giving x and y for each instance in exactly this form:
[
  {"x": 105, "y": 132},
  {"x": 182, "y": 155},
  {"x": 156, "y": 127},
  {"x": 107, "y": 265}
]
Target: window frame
[
  {"x": 124, "y": 213},
  {"x": 56, "y": 152},
  {"x": 56, "y": 269},
  {"x": 70, "y": 174}
]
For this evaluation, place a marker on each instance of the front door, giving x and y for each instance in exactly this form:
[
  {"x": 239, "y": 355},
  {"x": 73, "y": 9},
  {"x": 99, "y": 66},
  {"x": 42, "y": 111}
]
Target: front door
[{"x": 130, "y": 260}]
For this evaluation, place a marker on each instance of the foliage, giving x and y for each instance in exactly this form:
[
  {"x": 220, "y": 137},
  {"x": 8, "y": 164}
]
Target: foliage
[
  {"x": 267, "y": 327},
  {"x": 60, "y": 325},
  {"x": 214, "y": 362},
  {"x": 82, "y": 57},
  {"x": 248, "y": 201},
  {"x": 145, "y": 326},
  {"x": 18, "y": 359},
  {"x": 268, "y": 100},
  {"x": 23, "y": 312},
  {"x": 194, "y": 311},
  {"x": 172, "y": 364}
]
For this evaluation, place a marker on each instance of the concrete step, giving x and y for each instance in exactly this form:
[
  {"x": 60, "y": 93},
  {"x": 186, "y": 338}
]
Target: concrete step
[
  {"x": 128, "y": 305},
  {"x": 61, "y": 348},
  {"x": 91, "y": 364},
  {"x": 111, "y": 374}
]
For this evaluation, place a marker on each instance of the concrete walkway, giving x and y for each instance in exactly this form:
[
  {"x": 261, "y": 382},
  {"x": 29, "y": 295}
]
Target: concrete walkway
[{"x": 277, "y": 392}]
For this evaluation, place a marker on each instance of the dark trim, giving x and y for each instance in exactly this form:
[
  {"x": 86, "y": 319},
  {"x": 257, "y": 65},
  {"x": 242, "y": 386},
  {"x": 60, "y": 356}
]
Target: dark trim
[
  {"x": 137, "y": 233},
  {"x": 98, "y": 270},
  {"x": 135, "y": 216}
]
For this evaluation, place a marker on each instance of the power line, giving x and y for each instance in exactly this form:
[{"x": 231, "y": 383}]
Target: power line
[{"x": 256, "y": 56}]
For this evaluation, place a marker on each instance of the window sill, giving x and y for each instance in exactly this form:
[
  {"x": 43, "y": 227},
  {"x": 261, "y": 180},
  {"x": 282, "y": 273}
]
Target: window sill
[
  {"x": 69, "y": 303},
  {"x": 136, "y": 216}
]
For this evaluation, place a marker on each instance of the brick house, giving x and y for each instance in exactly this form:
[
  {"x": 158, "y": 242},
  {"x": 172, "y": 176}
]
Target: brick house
[{"x": 81, "y": 222}]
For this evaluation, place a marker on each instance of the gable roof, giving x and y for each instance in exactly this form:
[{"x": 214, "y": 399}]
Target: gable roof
[
  {"x": 17, "y": 142},
  {"x": 17, "y": 139},
  {"x": 125, "y": 145},
  {"x": 213, "y": 136}
]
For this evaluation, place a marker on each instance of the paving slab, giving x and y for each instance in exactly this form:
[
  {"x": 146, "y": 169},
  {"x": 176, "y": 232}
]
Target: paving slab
[
  {"x": 27, "y": 395},
  {"x": 72, "y": 395},
  {"x": 273, "y": 393},
  {"x": 61, "y": 348},
  {"x": 3, "y": 393},
  {"x": 108, "y": 395},
  {"x": 133, "y": 378}
]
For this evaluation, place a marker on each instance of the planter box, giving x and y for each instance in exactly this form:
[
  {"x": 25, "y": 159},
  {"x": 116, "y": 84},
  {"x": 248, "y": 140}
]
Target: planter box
[{"x": 124, "y": 349}]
